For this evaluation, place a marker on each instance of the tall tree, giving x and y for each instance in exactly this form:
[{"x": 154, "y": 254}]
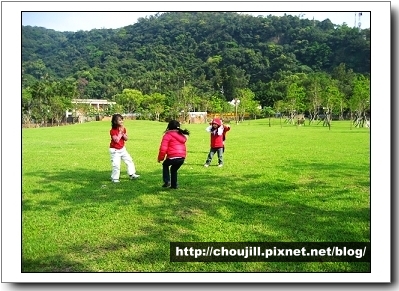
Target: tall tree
[
  {"x": 360, "y": 102},
  {"x": 332, "y": 99},
  {"x": 155, "y": 103},
  {"x": 247, "y": 103},
  {"x": 234, "y": 79},
  {"x": 130, "y": 99}
]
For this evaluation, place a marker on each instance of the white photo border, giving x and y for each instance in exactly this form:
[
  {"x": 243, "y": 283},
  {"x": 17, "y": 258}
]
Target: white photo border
[{"x": 380, "y": 144}]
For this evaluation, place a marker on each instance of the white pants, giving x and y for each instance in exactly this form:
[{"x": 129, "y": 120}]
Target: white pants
[{"x": 116, "y": 157}]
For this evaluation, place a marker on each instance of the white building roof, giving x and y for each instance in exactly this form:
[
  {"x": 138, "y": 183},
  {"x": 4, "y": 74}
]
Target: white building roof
[{"x": 92, "y": 101}]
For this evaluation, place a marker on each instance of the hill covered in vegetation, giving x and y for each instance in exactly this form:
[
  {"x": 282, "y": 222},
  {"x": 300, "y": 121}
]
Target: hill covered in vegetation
[{"x": 214, "y": 54}]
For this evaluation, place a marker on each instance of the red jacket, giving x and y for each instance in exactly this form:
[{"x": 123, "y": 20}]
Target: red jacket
[
  {"x": 217, "y": 136},
  {"x": 173, "y": 145}
]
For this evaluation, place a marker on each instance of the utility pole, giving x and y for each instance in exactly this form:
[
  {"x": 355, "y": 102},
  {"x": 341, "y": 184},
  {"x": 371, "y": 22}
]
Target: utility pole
[
  {"x": 355, "y": 20},
  {"x": 236, "y": 102},
  {"x": 358, "y": 24}
]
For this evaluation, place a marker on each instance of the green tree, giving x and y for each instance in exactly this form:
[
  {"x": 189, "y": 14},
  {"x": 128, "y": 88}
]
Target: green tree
[
  {"x": 155, "y": 104},
  {"x": 345, "y": 79},
  {"x": 234, "y": 79},
  {"x": 35, "y": 68},
  {"x": 130, "y": 99},
  {"x": 247, "y": 103},
  {"x": 268, "y": 112},
  {"x": 295, "y": 100},
  {"x": 27, "y": 103},
  {"x": 280, "y": 108},
  {"x": 331, "y": 99},
  {"x": 360, "y": 101},
  {"x": 41, "y": 93},
  {"x": 216, "y": 105},
  {"x": 58, "y": 106},
  {"x": 188, "y": 100},
  {"x": 314, "y": 89},
  {"x": 113, "y": 109}
]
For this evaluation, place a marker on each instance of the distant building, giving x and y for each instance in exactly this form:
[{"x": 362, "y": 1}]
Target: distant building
[
  {"x": 195, "y": 117},
  {"x": 98, "y": 104}
]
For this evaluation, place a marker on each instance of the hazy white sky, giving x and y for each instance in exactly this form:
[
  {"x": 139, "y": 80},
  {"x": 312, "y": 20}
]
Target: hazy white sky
[{"x": 74, "y": 21}]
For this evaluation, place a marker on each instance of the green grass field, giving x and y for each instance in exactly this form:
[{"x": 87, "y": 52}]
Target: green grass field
[{"x": 278, "y": 184}]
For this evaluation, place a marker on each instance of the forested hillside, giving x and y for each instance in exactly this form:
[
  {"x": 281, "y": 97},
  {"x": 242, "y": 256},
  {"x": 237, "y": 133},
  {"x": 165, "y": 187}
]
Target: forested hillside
[{"x": 201, "y": 57}]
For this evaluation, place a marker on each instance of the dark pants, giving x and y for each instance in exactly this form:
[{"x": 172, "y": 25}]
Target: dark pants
[
  {"x": 212, "y": 151},
  {"x": 174, "y": 165}
]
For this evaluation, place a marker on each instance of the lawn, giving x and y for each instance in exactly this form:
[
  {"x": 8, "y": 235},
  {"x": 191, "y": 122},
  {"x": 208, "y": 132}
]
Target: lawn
[{"x": 278, "y": 184}]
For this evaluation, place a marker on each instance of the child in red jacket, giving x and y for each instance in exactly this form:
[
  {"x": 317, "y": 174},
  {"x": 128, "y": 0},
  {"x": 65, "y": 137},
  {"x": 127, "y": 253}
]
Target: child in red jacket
[
  {"x": 173, "y": 147},
  {"x": 118, "y": 150},
  {"x": 218, "y": 135}
]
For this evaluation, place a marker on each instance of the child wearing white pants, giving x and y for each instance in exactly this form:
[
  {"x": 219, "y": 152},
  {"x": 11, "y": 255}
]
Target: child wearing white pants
[
  {"x": 116, "y": 157},
  {"x": 118, "y": 150}
]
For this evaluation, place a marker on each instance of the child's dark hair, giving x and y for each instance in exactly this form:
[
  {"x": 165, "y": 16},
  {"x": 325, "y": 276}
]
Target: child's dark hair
[
  {"x": 174, "y": 124},
  {"x": 114, "y": 121}
]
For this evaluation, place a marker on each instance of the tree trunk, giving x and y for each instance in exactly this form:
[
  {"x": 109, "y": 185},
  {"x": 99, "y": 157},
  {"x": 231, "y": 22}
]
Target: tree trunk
[{"x": 351, "y": 118}]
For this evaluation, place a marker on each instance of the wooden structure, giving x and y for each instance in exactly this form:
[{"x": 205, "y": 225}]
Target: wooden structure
[
  {"x": 98, "y": 104},
  {"x": 195, "y": 117}
]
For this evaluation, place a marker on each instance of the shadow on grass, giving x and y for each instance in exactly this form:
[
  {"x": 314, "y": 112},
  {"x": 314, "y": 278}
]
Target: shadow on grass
[
  {"x": 55, "y": 264},
  {"x": 204, "y": 208}
]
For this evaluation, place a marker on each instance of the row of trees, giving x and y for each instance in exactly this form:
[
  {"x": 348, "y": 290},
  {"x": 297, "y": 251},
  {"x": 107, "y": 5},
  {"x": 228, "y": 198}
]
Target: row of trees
[
  {"x": 314, "y": 94},
  {"x": 199, "y": 62},
  {"x": 48, "y": 100}
]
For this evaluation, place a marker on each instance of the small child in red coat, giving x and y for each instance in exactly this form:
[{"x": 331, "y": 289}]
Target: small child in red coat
[
  {"x": 218, "y": 135},
  {"x": 118, "y": 150},
  {"x": 173, "y": 147}
]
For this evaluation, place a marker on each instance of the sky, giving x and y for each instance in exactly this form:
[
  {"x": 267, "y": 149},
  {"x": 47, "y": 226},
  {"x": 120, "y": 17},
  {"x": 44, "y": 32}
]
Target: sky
[{"x": 74, "y": 21}]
